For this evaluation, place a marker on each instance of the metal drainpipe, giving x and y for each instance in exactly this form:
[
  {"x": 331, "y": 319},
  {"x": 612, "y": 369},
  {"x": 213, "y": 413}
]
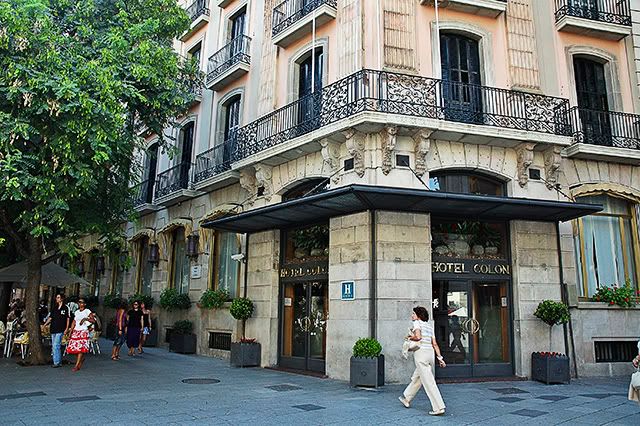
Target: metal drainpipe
[
  {"x": 246, "y": 265},
  {"x": 373, "y": 270},
  {"x": 565, "y": 300}
]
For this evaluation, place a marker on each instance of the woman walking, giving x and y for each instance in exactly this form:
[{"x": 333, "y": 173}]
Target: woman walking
[
  {"x": 146, "y": 326},
  {"x": 423, "y": 375},
  {"x": 134, "y": 328},
  {"x": 121, "y": 324},
  {"x": 79, "y": 341}
]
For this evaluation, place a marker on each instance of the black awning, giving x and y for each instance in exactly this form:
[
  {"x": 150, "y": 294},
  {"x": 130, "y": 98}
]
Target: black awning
[{"x": 357, "y": 198}]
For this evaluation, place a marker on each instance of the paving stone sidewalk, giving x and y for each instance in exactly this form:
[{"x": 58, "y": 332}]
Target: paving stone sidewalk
[{"x": 151, "y": 389}]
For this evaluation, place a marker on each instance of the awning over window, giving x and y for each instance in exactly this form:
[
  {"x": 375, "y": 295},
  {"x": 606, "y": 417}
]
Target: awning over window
[{"x": 357, "y": 198}]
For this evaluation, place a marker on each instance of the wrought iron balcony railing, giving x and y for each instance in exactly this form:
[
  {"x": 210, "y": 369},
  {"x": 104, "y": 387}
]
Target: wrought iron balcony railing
[
  {"x": 173, "y": 180},
  {"x": 213, "y": 161},
  {"x": 393, "y": 93},
  {"x": 606, "y": 128},
  {"x": 143, "y": 192},
  {"x": 610, "y": 11},
  {"x": 289, "y": 12},
  {"x": 237, "y": 51},
  {"x": 197, "y": 9}
]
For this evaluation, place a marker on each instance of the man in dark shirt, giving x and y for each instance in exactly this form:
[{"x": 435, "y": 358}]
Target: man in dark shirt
[{"x": 59, "y": 321}]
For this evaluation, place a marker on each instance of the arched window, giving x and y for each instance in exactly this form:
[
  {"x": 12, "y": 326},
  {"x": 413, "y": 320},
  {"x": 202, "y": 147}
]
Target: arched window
[
  {"x": 465, "y": 183},
  {"x": 606, "y": 244},
  {"x": 312, "y": 186}
]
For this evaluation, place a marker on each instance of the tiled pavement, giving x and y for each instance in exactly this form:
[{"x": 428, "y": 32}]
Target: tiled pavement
[{"x": 150, "y": 389}]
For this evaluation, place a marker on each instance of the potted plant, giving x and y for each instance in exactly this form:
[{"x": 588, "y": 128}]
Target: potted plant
[
  {"x": 213, "y": 299},
  {"x": 622, "y": 296},
  {"x": 246, "y": 352},
  {"x": 367, "y": 364},
  {"x": 551, "y": 367},
  {"x": 312, "y": 241},
  {"x": 142, "y": 298},
  {"x": 171, "y": 299},
  {"x": 182, "y": 338}
]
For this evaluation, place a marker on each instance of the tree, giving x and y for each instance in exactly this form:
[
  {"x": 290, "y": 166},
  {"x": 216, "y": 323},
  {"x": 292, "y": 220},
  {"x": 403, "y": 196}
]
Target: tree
[{"x": 78, "y": 78}]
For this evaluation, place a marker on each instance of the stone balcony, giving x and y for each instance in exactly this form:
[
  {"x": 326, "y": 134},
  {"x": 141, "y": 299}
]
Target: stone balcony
[
  {"x": 491, "y": 8},
  {"x": 293, "y": 19},
  {"x": 229, "y": 63},
  {"x": 608, "y": 19},
  {"x": 198, "y": 11}
]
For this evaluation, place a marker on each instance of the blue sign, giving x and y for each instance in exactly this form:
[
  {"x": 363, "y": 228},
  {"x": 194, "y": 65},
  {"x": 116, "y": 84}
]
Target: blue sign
[{"x": 348, "y": 290}]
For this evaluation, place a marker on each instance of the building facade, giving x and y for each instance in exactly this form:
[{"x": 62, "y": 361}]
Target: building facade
[{"x": 366, "y": 157}]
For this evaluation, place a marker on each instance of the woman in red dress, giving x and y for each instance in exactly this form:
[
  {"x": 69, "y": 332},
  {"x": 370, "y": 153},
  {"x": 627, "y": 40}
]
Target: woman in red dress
[{"x": 79, "y": 341}]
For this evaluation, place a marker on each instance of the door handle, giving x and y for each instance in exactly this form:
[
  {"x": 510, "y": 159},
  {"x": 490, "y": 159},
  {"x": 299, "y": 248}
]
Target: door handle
[
  {"x": 306, "y": 324},
  {"x": 475, "y": 326},
  {"x": 465, "y": 326}
]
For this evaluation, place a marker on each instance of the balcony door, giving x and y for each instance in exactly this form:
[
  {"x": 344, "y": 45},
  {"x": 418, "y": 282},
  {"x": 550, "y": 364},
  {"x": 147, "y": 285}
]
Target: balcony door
[
  {"x": 186, "y": 152},
  {"x": 591, "y": 91},
  {"x": 238, "y": 23},
  {"x": 587, "y": 9},
  {"x": 461, "y": 92},
  {"x": 231, "y": 125},
  {"x": 149, "y": 173},
  {"x": 310, "y": 91}
]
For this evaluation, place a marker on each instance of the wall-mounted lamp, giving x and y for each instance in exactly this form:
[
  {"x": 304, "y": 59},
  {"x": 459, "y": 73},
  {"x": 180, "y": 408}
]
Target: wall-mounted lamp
[
  {"x": 192, "y": 245},
  {"x": 154, "y": 253},
  {"x": 100, "y": 265}
]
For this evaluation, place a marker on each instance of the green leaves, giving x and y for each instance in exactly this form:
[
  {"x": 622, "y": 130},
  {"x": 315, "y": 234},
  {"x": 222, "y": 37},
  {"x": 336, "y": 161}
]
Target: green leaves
[
  {"x": 367, "y": 348},
  {"x": 552, "y": 313},
  {"x": 624, "y": 296}
]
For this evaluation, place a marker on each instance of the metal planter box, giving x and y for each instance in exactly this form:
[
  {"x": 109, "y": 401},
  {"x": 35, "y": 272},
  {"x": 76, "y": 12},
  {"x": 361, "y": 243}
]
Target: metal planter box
[
  {"x": 550, "y": 369},
  {"x": 152, "y": 338},
  {"x": 183, "y": 343},
  {"x": 368, "y": 372},
  {"x": 245, "y": 354}
]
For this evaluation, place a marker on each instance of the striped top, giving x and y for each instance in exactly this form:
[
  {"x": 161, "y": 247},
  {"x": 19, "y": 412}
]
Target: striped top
[{"x": 426, "y": 331}]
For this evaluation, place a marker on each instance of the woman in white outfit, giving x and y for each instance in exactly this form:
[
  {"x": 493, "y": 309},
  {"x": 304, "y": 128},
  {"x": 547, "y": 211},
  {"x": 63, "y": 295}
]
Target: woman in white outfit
[{"x": 425, "y": 363}]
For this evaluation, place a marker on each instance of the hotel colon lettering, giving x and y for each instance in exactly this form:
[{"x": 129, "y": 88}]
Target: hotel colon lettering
[{"x": 473, "y": 157}]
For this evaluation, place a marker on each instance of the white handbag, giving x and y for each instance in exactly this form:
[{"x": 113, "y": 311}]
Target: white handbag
[{"x": 634, "y": 386}]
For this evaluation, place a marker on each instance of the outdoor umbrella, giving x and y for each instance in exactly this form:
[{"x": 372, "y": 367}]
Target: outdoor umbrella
[{"x": 52, "y": 275}]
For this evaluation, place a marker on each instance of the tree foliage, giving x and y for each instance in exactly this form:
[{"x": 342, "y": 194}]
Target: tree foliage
[{"x": 78, "y": 79}]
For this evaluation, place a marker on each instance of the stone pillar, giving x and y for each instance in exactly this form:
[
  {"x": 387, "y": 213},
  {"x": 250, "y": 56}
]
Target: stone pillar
[{"x": 263, "y": 283}]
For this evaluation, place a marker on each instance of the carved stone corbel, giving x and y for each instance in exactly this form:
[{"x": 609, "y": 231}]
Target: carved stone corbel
[
  {"x": 421, "y": 146},
  {"x": 264, "y": 179},
  {"x": 331, "y": 157},
  {"x": 552, "y": 163},
  {"x": 525, "y": 158},
  {"x": 248, "y": 183},
  {"x": 355, "y": 145},
  {"x": 388, "y": 135}
]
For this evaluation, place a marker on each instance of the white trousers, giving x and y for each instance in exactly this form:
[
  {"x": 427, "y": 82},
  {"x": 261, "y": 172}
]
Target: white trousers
[{"x": 424, "y": 375}]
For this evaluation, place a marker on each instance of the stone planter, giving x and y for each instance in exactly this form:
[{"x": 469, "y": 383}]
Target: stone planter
[
  {"x": 245, "y": 354},
  {"x": 550, "y": 369},
  {"x": 368, "y": 372},
  {"x": 183, "y": 343},
  {"x": 152, "y": 338}
]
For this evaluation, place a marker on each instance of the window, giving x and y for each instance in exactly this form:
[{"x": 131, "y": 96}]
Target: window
[
  {"x": 149, "y": 176},
  {"x": 145, "y": 268},
  {"x": 195, "y": 53},
  {"x": 463, "y": 183},
  {"x": 186, "y": 151},
  {"x": 231, "y": 117},
  {"x": 226, "y": 271},
  {"x": 117, "y": 283},
  {"x": 180, "y": 262},
  {"x": 606, "y": 243},
  {"x": 591, "y": 91}
]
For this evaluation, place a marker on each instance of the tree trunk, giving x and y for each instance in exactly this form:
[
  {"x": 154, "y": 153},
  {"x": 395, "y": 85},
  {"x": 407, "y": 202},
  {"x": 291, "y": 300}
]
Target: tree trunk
[
  {"x": 5, "y": 300},
  {"x": 37, "y": 355}
]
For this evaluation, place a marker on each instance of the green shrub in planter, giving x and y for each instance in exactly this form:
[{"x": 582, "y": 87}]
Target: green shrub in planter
[
  {"x": 182, "y": 339},
  {"x": 552, "y": 313},
  {"x": 182, "y": 327},
  {"x": 170, "y": 299},
  {"x": 246, "y": 352},
  {"x": 624, "y": 296},
  {"x": 367, "y": 363},
  {"x": 554, "y": 368},
  {"x": 241, "y": 309},
  {"x": 213, "y": 299},
  {"x": 142, "y": 298}
]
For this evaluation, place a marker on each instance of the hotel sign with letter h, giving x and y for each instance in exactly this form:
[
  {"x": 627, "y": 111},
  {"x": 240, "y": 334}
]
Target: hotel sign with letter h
[{"x": 348, "y": 290}]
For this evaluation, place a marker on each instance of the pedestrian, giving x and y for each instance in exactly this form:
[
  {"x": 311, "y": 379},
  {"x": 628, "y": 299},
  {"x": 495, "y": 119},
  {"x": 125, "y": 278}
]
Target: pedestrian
[
  {"x": 79, "y": 341},
  {"x": 146, "y": 326},
  {"x": 121, "y": 325},
  {"x": 424, "y": 373},
  {"x": 134, "y": 327},
  {"x": 58, "y": 323}
]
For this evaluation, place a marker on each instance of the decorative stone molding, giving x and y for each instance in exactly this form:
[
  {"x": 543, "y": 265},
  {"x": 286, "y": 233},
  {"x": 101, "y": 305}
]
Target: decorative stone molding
[
  {"x": 249, "y": 184},
  {"x": 552, "y": 163},
  {"x": 331, "y": 157},
  {"x": 388, "y": 135},
  {"x": 525, "y": 158},
  {"x": 264, "y": 179},
  {"x": 421, "y": 147},
  {"x": 355, "y": 145}
]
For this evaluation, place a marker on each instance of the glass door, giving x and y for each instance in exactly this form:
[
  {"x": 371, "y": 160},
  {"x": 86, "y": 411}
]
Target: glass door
[
  {"x": 304, "y": 310},
  {"x": 472, "y": 328}
]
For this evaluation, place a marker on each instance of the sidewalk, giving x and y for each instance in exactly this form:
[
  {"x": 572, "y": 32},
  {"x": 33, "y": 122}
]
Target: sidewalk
[{"x": 149, "y": 389}]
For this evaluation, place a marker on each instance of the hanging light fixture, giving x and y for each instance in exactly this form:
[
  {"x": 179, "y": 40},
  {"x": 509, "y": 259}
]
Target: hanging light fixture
[
  {"x": 154, "y": 253},
  {"x": 192, "y": 245},
  {"x": 100, "y": 264}
]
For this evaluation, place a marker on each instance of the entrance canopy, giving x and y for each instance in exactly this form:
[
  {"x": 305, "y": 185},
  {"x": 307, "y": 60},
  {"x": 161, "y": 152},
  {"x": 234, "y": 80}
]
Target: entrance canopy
[
  {"x": 357, "y": 198},
  {"x": 52, "y": 275}
]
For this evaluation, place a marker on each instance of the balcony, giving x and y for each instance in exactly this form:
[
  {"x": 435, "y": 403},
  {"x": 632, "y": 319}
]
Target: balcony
[
  {"x": 491, "y": 8},
  {"x": 198, "y": 12},
  {"x": 229, "y": 63},
  {"x": 172, "y": 185},
  {"x": 213, "y": 168},
  {"x": 143, "y": 197},
  {"x": 370, "y": 99},
  {"x": 605, "y": 135},
  {"x": 610, "y": 19},
  {"x": 293, "y": 19}
]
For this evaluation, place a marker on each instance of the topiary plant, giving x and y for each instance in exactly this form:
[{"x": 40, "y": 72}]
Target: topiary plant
[
  {"x": 552, "y": 313},
  {"x": 170, "y": 299},
  {"x": 367, "y": 348},
  {"x": 142, "y": 298},
  {"x": 242, "y": 309},
  {"x": 182, "y": 327},
  {"x": 213, "y": 299}
]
